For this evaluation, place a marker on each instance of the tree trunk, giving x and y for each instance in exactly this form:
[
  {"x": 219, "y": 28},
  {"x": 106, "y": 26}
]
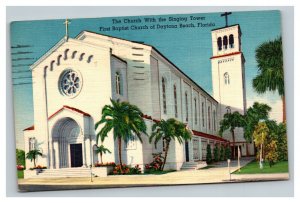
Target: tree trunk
[
  {"x": 101, "y": 157},
  {"x": 34, "y": 163},
  {"x": 283, "y": 109},
  {"x": 233, "y": 141},
  {"x": 166, "y": 154},
  {"x": 120, "y": 149}
]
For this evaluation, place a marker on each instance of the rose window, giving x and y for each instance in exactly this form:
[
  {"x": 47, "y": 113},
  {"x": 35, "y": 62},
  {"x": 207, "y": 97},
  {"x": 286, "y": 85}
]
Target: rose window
[{"x": 70, "y": 83}]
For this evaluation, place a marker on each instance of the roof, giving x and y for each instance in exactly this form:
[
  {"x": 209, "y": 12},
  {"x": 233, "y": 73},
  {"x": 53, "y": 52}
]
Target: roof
[
  {"x": 227, "y": 27},
  {"x": 155, "y": 49},
  {"x": 62, "y": 108},
  {"x": 196, "y": 133}
]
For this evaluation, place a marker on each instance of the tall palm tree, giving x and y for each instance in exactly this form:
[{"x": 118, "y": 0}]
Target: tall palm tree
[
  {"x": 102, "y": 150},
  {"x": 270, "y": 67},
  {"x": 33, "y": 154},
  {"x": 229, "y": 122},
  {"x": 255, "y": 113},
  {"x": 125, "y": 120},
  {"x": 168, "y": 130}
]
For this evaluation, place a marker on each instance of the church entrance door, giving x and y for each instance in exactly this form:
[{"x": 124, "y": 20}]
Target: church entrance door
[
  {"x": 187, "y": 158},
  {"x": 76, "y": 155}
]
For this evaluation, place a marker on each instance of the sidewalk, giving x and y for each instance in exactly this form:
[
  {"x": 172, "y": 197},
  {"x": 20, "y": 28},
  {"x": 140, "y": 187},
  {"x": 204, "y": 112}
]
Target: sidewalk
[{"x": 218, "y": 174}]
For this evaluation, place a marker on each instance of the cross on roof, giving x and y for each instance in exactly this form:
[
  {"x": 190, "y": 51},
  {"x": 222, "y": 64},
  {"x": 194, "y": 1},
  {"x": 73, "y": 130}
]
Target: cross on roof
[
  {"x": 67, "y": 22},
  {"x": 226, "y": 14}
]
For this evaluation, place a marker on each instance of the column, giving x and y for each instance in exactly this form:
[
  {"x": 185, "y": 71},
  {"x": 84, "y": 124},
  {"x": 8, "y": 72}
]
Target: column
[{"x": 84, "y": 152}]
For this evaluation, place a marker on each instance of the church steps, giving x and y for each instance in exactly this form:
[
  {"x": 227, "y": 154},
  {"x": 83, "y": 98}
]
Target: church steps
[{"x": 193, "y": 165}]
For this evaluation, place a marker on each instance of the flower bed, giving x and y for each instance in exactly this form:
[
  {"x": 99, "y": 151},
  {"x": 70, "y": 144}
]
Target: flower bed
[
  {"x": 20, "y": 167},
  {"x": 38, "y": 167},
  {"x": 155, "y": 165},
  {"x": 105, "y": 164},
  {"x": 126, "y": 170}
]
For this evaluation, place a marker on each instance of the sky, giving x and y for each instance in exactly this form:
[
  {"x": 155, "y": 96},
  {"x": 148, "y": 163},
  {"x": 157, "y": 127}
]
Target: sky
[{"x": 189, "y": 48}]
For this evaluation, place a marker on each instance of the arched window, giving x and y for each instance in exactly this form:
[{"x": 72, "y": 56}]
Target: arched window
[
  {"x": 31, "y": 143},
  {"x": 175, "y": 101},
  {"x": 208, "y": 115},
  {"x": 219, "y": 42},
  {"x": 163, "y": 83},
  {"x": 118, "y": 83},
  {"x": 226, "y": 78},
  {"x": 195, "y": 103},
  {"x": 228, "y": 109},
  {"x": 202, "y": 112},
  {"x": 214, "y": 115},
  {"x": 231, "y": 41},
  {"x": 225, "y": 42},
  {"x": 186, "y": 107}
]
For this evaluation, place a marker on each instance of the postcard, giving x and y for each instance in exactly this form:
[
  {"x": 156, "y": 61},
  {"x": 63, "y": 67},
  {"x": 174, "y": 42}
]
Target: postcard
[{"x": 149, "y": 100}]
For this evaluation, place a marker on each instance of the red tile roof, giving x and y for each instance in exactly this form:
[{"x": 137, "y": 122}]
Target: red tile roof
[
  {"x": 196, "y": 133},
  {"x": 234, "y": 53},
  {"x": 64, "y": 107}
]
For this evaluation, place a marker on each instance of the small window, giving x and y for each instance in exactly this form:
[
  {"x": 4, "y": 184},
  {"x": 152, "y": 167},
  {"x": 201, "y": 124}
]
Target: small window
[
  {"x": 219, "y": 42},
  {"x": 186, "y": 108},
  {"x": 225, "y": 42},
  {"x": 195, "y": 103},
  {"x": 214, "y": 115},
  {"x": 226, "y": 79},
  {"x": 163, "y": 82},
  {"x": 175, "y": 101},
  {"x": 31, "y": 143},
  {"x": 231, "y": 41},
  {"x": 203, "y": 116},
  {"x": 118, "y": 83},
  {"x": 208, "y": 115},
  {"x": 228, "y": 109}
]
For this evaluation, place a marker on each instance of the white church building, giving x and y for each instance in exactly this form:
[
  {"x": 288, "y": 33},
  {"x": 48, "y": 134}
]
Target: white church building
[{"x": 75, "y": 79}]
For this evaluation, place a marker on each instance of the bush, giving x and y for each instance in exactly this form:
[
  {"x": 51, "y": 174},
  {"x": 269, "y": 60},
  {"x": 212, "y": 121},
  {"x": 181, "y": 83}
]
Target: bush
[
  {"x": 126, "y": 170},
  {"x": 208, "y": 155},
  {"x": 20, "y": 167},
  {"x": 20, "y": 157},
  {"x": 282, "y": 148},
  {"x": 216, "y": 153},
  {"x": 227, "y": 152},
  {"x": 155, "y": 165},
  {"x": 222, "y": 153}
]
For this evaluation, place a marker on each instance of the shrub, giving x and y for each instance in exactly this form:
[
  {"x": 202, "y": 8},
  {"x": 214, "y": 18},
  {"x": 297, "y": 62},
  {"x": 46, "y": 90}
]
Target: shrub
[
  {"x": 271, "y": 154},
  {"x": 222, "y": 153},
  {"x": 208, "y": 155},
  {"x": 155, "y": 165},
  {"x": 20, "y": 157},
  {"x": 227, "y": 152},
  {"x": 216, "y": 153},
  {"x": 20, "y": 167},
  {"x": 126, "y": 170}
]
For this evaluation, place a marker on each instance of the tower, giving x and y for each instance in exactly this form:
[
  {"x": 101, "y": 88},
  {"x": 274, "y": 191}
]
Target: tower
[
  {"x": 228, "y": 78},
  {"x": 228, "y": 69}
]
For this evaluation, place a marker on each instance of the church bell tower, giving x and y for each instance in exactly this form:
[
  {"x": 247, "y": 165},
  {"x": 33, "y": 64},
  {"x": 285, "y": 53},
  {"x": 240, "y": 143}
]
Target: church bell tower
[{"x": 228, "y": 68}]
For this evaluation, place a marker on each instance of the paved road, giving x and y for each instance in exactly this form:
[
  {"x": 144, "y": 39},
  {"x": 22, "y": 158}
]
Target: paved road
[{"x": 218, "y": 174}]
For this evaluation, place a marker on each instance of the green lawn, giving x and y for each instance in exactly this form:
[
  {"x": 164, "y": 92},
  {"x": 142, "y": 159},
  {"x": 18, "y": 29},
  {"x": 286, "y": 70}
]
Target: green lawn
[
  {"x": 253, "y": 168},
  {"x": 20, "y": 174}
]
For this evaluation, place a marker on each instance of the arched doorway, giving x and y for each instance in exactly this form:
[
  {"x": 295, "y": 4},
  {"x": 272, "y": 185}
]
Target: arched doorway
[{"x": 67, "y": 142}]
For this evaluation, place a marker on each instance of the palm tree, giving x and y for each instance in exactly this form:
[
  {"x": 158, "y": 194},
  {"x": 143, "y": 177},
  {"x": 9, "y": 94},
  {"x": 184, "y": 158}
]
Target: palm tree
[
  {"x": 168, "y": 130},
  {"x": 231, "y": 121},
  {"x": 33, "y": 154},
  {"x": 255, "y": 113},
  {"x": 102, "y": 150},
  {"x": 125, "y": 120},
  {"x": 270, "y": 67}
]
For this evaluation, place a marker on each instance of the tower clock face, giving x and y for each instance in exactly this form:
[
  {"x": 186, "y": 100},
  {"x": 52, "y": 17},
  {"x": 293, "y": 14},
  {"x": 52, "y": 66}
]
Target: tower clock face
[{"x": 70, "y": 83}]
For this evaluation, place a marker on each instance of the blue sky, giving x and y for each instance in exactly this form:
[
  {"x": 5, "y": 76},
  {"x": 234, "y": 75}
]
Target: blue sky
[{"x": 189, "y": 48}]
